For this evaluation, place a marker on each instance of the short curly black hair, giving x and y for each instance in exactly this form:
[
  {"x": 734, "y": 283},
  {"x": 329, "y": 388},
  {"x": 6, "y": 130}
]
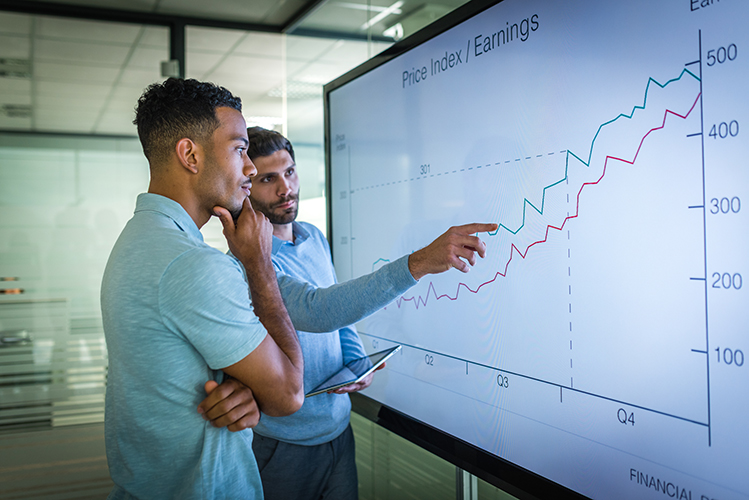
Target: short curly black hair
[
  {"x": 176, "y": 109},
  {"x": 264, "y": 142}
]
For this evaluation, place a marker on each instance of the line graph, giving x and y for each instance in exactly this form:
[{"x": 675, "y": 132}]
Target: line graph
[
  {"x": 609, "y": 314},
  {"x": 422, "y": 300}
]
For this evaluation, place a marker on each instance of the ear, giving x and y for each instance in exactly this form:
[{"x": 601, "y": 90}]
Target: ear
[{"x": 188, "y": 154}]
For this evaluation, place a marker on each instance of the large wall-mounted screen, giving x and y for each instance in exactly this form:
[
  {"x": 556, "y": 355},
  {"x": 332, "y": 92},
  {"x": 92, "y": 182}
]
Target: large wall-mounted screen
[{"x": 603, "y": 343}]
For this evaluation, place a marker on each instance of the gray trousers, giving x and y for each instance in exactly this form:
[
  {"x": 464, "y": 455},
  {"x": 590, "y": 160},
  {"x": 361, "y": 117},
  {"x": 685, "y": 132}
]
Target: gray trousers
[{"x": 293, "y": 472}]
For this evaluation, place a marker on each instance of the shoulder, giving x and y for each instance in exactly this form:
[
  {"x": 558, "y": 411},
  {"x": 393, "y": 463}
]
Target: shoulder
[
  {"x": 202, "y": 271},
  {"x": 314, "y": 234},
  {"x": 309, "y": 226},
  {"x": 204, "y": 260}
]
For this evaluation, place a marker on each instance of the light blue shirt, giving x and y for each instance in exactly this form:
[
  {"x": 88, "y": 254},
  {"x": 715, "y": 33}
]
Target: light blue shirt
[
  {"x": 175, "y": 311},
  {"x": 324, "y": 417}
]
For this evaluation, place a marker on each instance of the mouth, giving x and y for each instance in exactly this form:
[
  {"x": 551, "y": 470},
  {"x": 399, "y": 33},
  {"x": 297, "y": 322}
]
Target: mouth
[
  {"x": 246, "y": 188},
  {"x": 286, "y": 204}
]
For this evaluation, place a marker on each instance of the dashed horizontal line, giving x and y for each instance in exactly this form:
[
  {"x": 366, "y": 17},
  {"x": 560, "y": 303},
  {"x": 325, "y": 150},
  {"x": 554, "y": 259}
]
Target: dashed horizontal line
[{"x": 488, "y": 165}]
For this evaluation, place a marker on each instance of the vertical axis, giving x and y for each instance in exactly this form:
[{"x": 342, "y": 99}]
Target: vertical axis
[
  {"x": 704, "y": 245},
  {"x": 351, "y": 213}
]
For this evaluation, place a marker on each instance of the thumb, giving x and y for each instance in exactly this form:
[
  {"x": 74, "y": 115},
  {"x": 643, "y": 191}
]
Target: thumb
[
  {"x": 225, "y": 217},
  {"x": 210, "y": 385}
]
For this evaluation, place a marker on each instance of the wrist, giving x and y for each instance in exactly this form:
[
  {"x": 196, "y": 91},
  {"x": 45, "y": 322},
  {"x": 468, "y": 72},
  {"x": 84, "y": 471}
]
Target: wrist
[{"x": 416, "y": 266}]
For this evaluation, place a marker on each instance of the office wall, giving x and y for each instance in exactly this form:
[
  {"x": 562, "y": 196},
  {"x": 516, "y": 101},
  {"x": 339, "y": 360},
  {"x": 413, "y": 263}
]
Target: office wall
[{"x": 63, "y": 202}]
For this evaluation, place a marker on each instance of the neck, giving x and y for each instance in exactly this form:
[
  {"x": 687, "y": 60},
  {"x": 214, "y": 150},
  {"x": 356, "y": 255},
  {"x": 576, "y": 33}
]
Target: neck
[
  {"x": 189, "y": 203},
  {"x": 283, "y": 232}
]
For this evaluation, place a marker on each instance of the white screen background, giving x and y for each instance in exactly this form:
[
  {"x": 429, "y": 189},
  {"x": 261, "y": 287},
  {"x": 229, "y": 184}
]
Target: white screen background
[{"x": 601, "y": 342}]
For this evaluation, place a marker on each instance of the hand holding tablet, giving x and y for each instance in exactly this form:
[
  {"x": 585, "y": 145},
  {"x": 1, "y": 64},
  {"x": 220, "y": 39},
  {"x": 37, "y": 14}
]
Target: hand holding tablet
[{"x": 354, "y": 371}]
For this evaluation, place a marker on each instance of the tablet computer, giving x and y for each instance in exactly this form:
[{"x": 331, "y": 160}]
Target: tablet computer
[{"x": 354, "y": 371}]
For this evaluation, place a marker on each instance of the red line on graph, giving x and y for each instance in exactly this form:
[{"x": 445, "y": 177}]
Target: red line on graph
[{"x": 419, "y": 301}]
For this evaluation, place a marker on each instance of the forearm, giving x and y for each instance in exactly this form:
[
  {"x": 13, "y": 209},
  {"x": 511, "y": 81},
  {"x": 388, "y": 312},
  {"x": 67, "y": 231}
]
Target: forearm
[
  {"x": 269, "y": 308},
  {"x": 320, "y": 310}
]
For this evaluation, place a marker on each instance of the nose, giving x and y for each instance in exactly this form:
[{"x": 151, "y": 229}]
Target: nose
[
  {"x": 284, "y": 186},
  {"x": 249, "y": 169}
]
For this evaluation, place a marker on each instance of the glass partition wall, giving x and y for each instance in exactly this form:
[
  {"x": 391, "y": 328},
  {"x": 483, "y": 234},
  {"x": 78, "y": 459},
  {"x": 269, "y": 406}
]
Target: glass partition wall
[
  {"x": 69, "y": 171},
  {"x": 71, "y": 168}
]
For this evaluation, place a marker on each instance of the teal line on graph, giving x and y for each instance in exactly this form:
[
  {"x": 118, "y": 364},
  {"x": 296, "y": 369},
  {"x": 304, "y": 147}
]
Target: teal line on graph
[
  {"x": 378, "y": 261},
  {"x": 527, "y": 202}
]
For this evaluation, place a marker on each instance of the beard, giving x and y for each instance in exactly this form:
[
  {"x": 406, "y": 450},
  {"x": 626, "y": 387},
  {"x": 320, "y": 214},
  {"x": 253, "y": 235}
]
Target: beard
[
  {"x": 278, "y": 217},
  {"x": 235, "y": 213},
  {"x": 235, "y": 209}
]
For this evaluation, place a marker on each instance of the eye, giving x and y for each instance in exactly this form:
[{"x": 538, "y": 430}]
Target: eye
[{"x": 290, "y": 172}]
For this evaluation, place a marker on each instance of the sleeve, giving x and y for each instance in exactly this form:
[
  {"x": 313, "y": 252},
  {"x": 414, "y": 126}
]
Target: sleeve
[
  {"x": 204, "y": 298},
  {"x": 345, "y": 303},
  {"x": 351, "y": 344}
]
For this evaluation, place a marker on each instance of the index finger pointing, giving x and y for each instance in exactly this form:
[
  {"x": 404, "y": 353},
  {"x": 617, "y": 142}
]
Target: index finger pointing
[{"x": 478, "y": 227}]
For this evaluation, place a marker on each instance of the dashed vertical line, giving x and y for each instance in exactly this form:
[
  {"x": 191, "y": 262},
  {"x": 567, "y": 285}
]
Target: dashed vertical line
[{"x": 569, "y": 277}]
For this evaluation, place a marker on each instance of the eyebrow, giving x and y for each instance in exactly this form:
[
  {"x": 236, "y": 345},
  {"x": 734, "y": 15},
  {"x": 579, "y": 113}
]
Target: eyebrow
[
  {"x": 243, "y": 139},
  {"x": 270, "y": 174}
]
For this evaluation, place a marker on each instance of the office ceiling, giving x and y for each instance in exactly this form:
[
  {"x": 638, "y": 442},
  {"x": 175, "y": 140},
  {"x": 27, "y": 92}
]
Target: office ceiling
[
  {"x": 354, "y": 17},
  {"x": 70, "y": 75}
]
